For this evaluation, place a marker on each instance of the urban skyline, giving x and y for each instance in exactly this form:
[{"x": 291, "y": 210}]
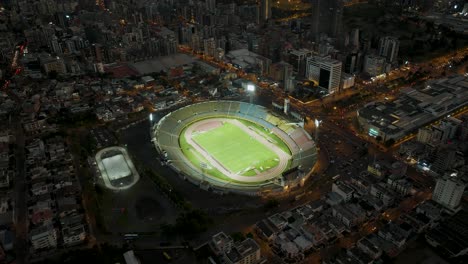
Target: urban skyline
[{"x": 228, "y": 131}]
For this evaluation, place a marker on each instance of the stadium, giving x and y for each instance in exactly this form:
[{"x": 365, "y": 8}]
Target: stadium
[
  {"x": 116, "y": 168},
  {"x": 230, "y": 146}
]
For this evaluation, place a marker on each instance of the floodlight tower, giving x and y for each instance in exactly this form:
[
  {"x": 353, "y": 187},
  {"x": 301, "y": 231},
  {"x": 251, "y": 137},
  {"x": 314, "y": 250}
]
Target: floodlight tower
[
  {"x": 251, "y": 91},
  {"x": 151, "y": 118},
  {"x": 317, "y": 125}
]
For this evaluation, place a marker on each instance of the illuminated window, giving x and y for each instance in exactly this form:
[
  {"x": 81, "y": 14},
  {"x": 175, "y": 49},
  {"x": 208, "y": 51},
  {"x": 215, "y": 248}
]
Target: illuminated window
[{"x": 373, "y": 132}]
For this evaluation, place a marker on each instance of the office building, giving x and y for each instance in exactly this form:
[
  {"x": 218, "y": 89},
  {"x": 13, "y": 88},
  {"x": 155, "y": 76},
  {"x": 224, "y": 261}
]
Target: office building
[
  {"x": 325, "y": 71},
  {"x": 282, "y": 72},
  {"x": 327, "y": 17},
  {"x": 352, "y": 63},
  {"x": 440, "y": 133},
  {"x": 444, "y": 159},
  {"x": 211, "y": 5},
  {"x": 374, "y": 65},
  {"x": 55, "y": 46},
  {"x": 464, "y": 128},
  {"x": 347, "y": 81},
  {"x": 53, "y": 64},
  {"x": 388, "y": 48},
  {"x": 428, "y": 134},
  {"x": 298, "y": 59},
  {"x": 209, "y": 47},
  {"x": 245, "y": 59},
  {"x": 354, "y": 38},
  {"x": 414, "y": 108},
  {"x": 195, "y": 42},
  {"x": 448, "y": 191}
]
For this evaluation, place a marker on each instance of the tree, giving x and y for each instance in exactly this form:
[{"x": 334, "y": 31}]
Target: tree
[
  {"x": 53, "y": 74},
  {"x": 189, "y": 224},
  {"x": 389, "y": 142},
  {"x": 238, "y": 236},
  {"x": 270, "y": 204}
]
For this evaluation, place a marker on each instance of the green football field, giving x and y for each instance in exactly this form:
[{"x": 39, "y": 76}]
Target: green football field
[{"x": 236, "y": 150}]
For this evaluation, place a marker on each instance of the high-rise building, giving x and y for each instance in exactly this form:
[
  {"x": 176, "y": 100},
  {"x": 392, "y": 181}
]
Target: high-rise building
[
  {"x": 444, "y": 159},
  {"x": 209, "y": 47},
  {"x": 282, "y": 72},
  {"x": 464, "y": 128},
  {"x": 327, "y": 17},
  {"x": 388, "y": 48},
  {"x": 298, "y": 59},
  {"x": 55, "y": 45},
  {"x": 265, "y": 10},
  {"x": 325, "y": 71},
  {"x": 374, "y": 65},
  {"x": 195, "y": 43},
  {"x": 211, "y": 5},
  {"x": 352, "y": 62},
  {"x": 426, "y": 134},
  {"x": 448, "y": 191},
  {"x": 354, "y": 38},
  {"x": 441, "y": 133}
]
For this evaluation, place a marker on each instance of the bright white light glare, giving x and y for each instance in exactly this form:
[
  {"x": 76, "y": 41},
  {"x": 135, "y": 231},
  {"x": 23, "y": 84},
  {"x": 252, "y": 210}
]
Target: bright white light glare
[
  {"x": 151, "y": 117},
  {"x": 317, "y": 122},
  {"x": 250, "y": 87}
]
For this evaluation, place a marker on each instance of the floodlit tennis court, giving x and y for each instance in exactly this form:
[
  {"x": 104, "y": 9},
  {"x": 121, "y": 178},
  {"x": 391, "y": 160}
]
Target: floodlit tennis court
[
  {"x": 235, "y": 149},
  {"x": 117, "y": 171},
  {"x": 116, "y": 167}
]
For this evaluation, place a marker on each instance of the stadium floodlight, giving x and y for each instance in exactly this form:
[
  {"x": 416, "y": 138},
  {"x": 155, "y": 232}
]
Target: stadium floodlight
[
  {"x": 251, "y": 90},
  {"x": 317, "y": 124}
]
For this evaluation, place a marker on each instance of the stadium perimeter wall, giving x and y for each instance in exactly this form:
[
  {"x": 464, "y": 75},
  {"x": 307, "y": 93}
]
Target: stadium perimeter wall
[{"x": 166, "y": 139}]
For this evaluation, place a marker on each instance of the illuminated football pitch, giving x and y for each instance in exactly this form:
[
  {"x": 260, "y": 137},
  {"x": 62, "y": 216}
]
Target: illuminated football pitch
[
  {"x": 238, "y": 146},
  {"x": 236, "y": 149}
]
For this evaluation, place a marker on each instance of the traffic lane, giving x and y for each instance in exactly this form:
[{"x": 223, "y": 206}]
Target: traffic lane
[
  {"x": 341, "y": 164},
  {"x": 346, "y": 159},
  {"x": 347, "y": 135}
]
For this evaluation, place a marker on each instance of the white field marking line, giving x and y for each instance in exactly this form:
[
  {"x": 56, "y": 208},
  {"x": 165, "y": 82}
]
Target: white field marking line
[
  {"x": 258, "y": 137},
  {"x": 199, "y": 157},
  {"x": 205, "y": 153},
  {"x": 256, "y": 130}
]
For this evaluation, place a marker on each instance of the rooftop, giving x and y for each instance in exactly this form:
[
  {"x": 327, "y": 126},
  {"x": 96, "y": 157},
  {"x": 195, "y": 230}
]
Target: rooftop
[{"x": 415, "y": 108}]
